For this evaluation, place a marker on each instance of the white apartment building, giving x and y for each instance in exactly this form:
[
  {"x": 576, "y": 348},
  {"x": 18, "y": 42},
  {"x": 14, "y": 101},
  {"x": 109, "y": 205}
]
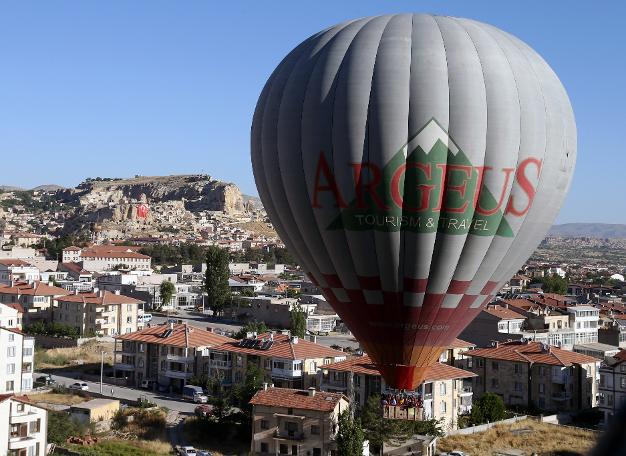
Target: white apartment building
[
  {"x": 107, "y": 258},
  {"x": 11, "y": 316},
  {"x": 17, "y": 353},
  {"x": 23, "y": 427},
  {"x": 14, "y": 270},
  {"x": 584, "y": 321},
  {"x": 612, "y": 389}
]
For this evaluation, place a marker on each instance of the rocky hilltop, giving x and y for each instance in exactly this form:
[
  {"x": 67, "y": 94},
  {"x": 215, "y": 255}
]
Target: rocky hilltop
[{"x": 196, "y": 192}]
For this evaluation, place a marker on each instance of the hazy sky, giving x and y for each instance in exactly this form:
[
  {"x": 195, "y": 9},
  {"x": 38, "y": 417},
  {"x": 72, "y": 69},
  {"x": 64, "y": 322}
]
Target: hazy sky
[{"x": 118, "y": 88}]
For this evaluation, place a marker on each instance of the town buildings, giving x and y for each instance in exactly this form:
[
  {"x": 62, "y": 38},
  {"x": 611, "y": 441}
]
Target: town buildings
[
  {"x": 105, "y": 258},
  {"x": 612, "y": 388},
  {"x": 296, "y": 422},
  {"x": 36, "y": 299},
  {"x": 529, "y": 374},
  {"x": 288, "y": 361},
  {"x": 102, "y": 312},
  {"x": 15, "y": 270},
  {"x": 17, "y": 352},
  {"x": 445, "y": 391},
  {"x": 169, "y": 355},
  {"x": 24, "y": 427}
]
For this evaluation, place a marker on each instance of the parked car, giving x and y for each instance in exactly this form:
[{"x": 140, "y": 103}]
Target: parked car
[
  {"x": 147, "y": 317},
  {"x": 455, "y": 453},
  {"x": 80, "y": 386},
  {"x": 46, "y": 380},
  {"x": 203, "y": 410},
  {"x": 186, "y": 451},
  {"x": 195, "y": 394}
]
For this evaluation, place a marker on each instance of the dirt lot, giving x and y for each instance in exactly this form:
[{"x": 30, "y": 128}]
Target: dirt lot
[
  {"x": 57, "y": 398},
  {"x": 88, "y": 353},
  {"x": 528, "y": 435}
]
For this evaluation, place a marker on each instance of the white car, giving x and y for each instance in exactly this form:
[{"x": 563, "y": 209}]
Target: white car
[
  {"x": 455, "y": 453},
  {"x": 186, "y": 451},
  {"x": 147, "y": 317},
  {"x": 80, "y": 386}
]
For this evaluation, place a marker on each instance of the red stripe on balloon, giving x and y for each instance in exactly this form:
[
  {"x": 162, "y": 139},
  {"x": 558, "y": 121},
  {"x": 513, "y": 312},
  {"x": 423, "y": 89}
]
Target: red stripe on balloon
[
  {"x": 333, "y": 280},
  {"x": 488, "y": 288},
  {"x": 415, "y": 285},
  {"x": 369, "y": 283},
  {"x": 458, "y": 286}
]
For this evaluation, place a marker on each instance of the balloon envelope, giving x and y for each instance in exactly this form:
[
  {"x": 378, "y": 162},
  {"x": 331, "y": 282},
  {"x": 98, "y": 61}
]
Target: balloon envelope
[{"x": 412, "y": 163}]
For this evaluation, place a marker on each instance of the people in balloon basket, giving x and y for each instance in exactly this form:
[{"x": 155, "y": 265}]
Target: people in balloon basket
[{"x": 402, "y": 400}]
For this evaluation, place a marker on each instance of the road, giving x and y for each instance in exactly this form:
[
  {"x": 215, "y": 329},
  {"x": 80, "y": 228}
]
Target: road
[
  {"x": 171, "y": 401},
  {"x": 204, "y": 321}
]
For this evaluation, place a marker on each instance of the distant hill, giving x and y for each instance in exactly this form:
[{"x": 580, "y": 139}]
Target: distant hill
[
  {"x": 9, "y": 188},
  {"x": 592, "y": 230},
  {"x": 48, "y": 188}
]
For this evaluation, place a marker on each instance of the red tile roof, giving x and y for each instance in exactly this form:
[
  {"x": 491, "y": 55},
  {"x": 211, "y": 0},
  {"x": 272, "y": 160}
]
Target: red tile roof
[
  {"x": 284, "y": 347},
  {"x": 364, "y": 365},
  {"x": 71, "y": 248},
  {"x": 13, "y": 262},
  {"x": 297, "y": 399},
  {"x": 621, "y": 355},
  {"x": 74, "y": 267},
  {"x": 16, "y": 306},
  {"x": 502, "y": 313},
  {"x": 112, "y": 251},
  {"x": 196, "y": 337},
  {"x": 101, "y": 298},
  {"x": 34, "y": 289},
  {"x": 459, "y": 343},
  {"x": 531, "y": 352}
]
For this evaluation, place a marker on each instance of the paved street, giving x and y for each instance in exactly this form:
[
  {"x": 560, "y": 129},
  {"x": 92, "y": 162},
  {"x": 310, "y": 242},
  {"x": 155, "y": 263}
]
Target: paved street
[{"x": 172, "y": 402}]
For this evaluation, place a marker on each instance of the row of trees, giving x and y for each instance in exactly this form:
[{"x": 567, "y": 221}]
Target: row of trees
[{"x": 52, "y": 329}]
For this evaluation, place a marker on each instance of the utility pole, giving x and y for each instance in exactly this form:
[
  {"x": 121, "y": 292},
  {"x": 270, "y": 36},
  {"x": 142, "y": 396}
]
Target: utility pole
[{"x": 102, "y": 353}]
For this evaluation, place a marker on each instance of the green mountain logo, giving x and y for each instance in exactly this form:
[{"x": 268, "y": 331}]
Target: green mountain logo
[{"x": 428, "y": 186}]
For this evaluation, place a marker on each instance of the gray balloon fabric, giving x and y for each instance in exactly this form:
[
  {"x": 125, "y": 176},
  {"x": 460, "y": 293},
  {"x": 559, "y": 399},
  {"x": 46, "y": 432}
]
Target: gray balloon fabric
[{"x": 412, "y": 163}]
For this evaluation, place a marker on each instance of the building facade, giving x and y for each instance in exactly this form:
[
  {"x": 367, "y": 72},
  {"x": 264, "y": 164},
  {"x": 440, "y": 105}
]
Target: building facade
[
  {"x": 17, "y": 352},
  {"x": 101, "y": 313},
  {"x": 612, "y": 388},
  {"x": 23, "y": 427},
  {"x": 445, "y": 392},
  {"x": 526, "y": 373},
  {"x": 295, "y": 422},
  {"x": 35, "y": 298}
]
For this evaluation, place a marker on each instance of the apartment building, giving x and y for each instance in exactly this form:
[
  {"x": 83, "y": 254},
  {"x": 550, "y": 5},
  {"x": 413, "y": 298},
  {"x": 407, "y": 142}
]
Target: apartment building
[
  {"x": 35, "y": 298},
  {"x": 168, "y": 354},
  {"x": 295, "y": 422},
  {"x": 15, "y": 270},
  {"x": 612, "y": 388},
  {"x": 445, "y": 396},
  {"x": 17, "y": 353},
  {"x": 11, "y": 316},
  {"x": 584, "y": 320},
  {"x": 25, "y": 427},
  {"x": 101, "y": 312},
  {"x": 613, "y": 332},
  {"x": 290, "y": 362},
  {"x": 494, "y": 322},
  {"x": 104, "y": 258},
  {"x": 525, "y": 373}
]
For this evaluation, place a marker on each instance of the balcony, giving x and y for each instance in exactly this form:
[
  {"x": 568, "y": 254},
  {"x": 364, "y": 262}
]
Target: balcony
[
  {"x": 18, "y": 443},
  {"x": 288, "y": 435},
  {"x": 286, "y": 373},
  {"x": 400, "y": 413},
  {"x": 178, "y": 374},
  {"x": 221, "y": 363},
  {"x": 179, "y": 358},
  {"x": 466, "y": 391},
  {"x": 560, "y": 378},
  {"x": 561, "y": 396}
]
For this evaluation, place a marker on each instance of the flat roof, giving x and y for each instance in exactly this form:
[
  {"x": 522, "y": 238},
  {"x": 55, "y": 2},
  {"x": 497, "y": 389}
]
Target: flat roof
[
  {"x": 598, "y": 346},
  {"x": 96, "y": 403}
]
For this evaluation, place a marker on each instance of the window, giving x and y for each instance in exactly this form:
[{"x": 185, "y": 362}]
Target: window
[
  {"x": 542, "y": 388},
  {"x": 20, "y": 407},
  {"x": 315, "y": 429},
  {"x": 442, "y": 388},
  {"x": 518, "y": 368},
  {"x": 265, "y": 424},
  {"x": 622, "y": 382},
  {"x": 317, "y": 452},
  {"x": 443, "y": 407},
  {"x": 264, "y": 447},
  {"x": 11, "y": 336},
  {"x": 10, "y": 385},
  {"x": 494, "y": 365},
  {"x": 28, "y": 351},
  {"x": 284, "y": 449},
  {"x": 518, "y": 386},
  {"x": 34, "y": 426},
  {"x": 494, "y": 382},
  {"x": 11, "y": 368},
  {"x": 294, "y": 449},
  {"x": 470, "y": 363},
  {"x": 10, "y": 352},
  {"x": 481, "y": 362}
]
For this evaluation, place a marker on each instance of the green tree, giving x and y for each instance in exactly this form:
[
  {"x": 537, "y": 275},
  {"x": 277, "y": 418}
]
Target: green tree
[
  {"x": 216, "y": 280},
  {"x": 166, "y": 290},
  {"x": 258, "y": 327},
  {"x": 350, "y": 436},
  {"x": 554, "y": 284},
  {"x": 487, "y": 409},
  {"x": 297, "y": 317},
  {"x": 61, "y": 426},
  {"x": 253, "y": 382}
]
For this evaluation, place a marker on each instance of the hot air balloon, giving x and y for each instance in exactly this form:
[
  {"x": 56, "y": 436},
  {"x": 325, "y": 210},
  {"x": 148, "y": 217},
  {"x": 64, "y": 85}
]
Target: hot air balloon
[{"x": 412, "y": 163}]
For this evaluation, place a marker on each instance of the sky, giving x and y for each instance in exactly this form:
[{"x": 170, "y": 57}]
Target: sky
[{"x": 117, "y": 88}]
